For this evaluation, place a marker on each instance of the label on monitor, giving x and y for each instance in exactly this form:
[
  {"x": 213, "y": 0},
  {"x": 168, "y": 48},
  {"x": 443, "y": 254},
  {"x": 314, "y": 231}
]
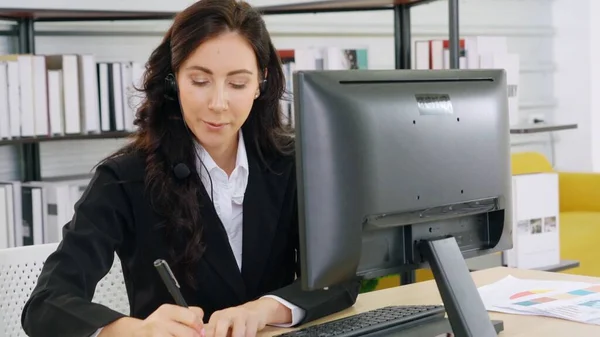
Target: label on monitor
[{"x": 434, "y": 104}]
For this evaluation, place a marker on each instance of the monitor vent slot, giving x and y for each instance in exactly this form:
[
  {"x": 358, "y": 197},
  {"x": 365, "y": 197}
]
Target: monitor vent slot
[{"x": 449, "y": 80}]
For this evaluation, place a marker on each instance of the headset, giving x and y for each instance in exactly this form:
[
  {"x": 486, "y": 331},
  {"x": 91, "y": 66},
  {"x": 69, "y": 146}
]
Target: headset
[{"x": 171, "y": 91}]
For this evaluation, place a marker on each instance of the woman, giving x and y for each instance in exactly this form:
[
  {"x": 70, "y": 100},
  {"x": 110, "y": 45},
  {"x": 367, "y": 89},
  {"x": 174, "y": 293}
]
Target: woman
[{"x": 208, "y": 184}]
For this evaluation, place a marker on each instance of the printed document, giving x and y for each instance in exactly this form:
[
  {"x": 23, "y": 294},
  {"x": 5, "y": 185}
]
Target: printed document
[{"x": 575, "y": 301}]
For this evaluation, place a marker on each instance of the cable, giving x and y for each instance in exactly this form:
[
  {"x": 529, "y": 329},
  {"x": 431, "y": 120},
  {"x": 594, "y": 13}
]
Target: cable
[{"x": 193, "y": 141}]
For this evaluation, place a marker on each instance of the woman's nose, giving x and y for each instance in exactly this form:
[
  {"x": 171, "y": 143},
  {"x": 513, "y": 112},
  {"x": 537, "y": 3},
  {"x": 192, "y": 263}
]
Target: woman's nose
[{"x": 218, "y": 100}]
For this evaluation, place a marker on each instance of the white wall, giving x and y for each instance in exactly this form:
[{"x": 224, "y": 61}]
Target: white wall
[
  {"x": 577, "y": 82},
  {"x": 532, "y": 36}
]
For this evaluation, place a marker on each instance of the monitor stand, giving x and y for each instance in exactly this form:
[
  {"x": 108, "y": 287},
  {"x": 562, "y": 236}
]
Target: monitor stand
[{"x": 464, "y": 307}]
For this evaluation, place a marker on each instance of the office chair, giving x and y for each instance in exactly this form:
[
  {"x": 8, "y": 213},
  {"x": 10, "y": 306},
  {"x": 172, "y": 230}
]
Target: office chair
[{"x": 19, "y": 271}]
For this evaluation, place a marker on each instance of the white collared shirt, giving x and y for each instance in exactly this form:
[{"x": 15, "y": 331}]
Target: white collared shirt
[{"x": 228, "y": 194}]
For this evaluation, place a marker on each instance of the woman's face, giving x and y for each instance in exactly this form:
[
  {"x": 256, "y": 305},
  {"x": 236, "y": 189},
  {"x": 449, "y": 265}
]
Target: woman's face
[{"x": 218, "y": 84}]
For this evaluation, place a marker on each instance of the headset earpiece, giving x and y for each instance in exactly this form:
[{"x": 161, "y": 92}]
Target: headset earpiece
[
  {"x": 262, "y": 87},
  {"x": 170, "y": 87}
]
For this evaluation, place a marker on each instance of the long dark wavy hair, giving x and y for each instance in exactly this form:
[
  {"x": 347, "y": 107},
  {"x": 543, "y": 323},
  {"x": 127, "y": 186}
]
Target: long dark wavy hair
[{"x": 161, "y": 136}]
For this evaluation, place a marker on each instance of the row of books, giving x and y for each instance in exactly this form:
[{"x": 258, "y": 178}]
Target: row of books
[
  {"x": 57, "y": 95},
  {"x": 35, "y": 212},
  {"x": 316, "y": 58},
  {"x": 54, "y": 95},
  {"x": 475, "y": 52}
]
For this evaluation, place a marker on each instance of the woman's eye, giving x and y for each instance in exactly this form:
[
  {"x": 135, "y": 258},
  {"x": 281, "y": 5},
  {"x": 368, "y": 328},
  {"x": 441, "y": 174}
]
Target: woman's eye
[
  {"x": 238, "y": 85},
  {"x": 199, "y": 83}
]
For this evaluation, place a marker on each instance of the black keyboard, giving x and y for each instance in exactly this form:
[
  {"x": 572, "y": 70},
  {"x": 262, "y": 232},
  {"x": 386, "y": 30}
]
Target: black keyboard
[{"x": 372, "y": 321}]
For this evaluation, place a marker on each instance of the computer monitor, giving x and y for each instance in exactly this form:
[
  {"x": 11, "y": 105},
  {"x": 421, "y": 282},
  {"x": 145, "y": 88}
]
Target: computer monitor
[{"x": 403, "y": 169}]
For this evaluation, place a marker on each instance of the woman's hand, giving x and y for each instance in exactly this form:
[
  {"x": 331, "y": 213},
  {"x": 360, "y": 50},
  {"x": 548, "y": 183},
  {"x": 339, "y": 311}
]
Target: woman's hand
[
  {"x": 172, "y": 320},
  {"x": 247, "y": 319},
  {"x": 167, "y": 321}
]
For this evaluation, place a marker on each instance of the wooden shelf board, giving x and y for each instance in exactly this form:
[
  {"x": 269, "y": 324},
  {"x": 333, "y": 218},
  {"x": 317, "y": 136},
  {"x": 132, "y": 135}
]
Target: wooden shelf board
[
  {"x": 563, "y": 265},
  {"x": 40, "y": 139},
  {"x": 536, "y": 128},
  {"x": 40, "y": 14},
  {"x": 337, "y": 6}
]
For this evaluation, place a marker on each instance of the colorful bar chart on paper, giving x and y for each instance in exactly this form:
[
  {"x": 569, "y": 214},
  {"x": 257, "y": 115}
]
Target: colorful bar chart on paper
[
  {"x": 568, "y": 295},
  {"x": 529, "y": 293}
]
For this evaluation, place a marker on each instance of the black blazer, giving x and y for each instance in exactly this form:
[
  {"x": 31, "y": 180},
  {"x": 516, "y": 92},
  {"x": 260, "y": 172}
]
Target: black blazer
[{"x": 115, "y": 214}]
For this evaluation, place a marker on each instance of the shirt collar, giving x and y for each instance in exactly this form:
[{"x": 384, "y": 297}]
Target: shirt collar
[
  {"x": 240, "y": 161},
  {"x": 239, "y": 174}
]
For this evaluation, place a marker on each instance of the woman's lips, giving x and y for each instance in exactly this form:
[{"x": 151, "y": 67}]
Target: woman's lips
[{"x": 215, "y": 126}]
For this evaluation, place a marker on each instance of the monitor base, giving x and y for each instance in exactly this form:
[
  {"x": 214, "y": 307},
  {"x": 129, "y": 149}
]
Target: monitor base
[{"x": 465, "y": 309}]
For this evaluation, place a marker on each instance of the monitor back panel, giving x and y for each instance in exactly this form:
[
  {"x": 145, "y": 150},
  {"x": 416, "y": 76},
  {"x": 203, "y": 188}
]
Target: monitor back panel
[{"x": 390, "y": 157}]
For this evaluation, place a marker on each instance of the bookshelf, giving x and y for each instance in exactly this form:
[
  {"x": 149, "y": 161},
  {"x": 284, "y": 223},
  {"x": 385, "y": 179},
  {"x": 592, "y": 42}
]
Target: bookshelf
[
  {"x": 402, "y": 24},
  {"x": 29, "y": 148}
]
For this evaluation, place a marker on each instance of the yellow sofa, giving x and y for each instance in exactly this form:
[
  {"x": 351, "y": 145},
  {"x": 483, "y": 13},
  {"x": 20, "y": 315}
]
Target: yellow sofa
[{"x": 579, "y": 217}]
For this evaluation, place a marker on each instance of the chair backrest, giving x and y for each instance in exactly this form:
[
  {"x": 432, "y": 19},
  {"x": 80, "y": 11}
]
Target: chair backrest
[
  {"x": 19, "y": 271},
  {"x": 529, "y": 162}
]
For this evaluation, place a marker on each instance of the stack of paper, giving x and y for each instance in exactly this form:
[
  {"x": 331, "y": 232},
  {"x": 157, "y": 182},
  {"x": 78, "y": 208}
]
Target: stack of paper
[{"x": 576, "y": 301}]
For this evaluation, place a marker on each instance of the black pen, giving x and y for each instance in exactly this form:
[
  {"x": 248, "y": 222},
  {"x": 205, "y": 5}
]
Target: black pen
[{"x": 169, "y": 280}]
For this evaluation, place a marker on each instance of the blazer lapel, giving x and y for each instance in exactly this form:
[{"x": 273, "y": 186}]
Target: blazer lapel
[
  {"x": 218, "y": 253},
  {"x": 262, "y": 206}
]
